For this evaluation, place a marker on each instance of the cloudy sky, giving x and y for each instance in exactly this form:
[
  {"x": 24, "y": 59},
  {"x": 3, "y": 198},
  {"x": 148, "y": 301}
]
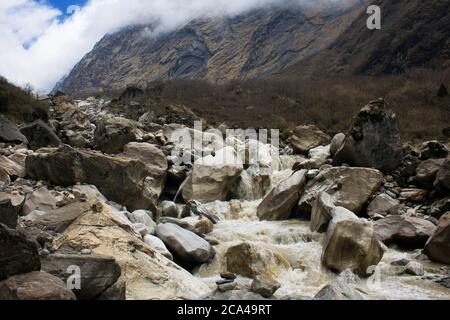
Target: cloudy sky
[{"x": 41, "y": 40}]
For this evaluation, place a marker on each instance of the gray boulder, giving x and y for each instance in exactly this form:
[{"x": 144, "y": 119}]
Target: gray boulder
[
  {"x": 374, "y": 139},
  {"x": 383, "y": 205},
  {"x": 265, "y": 286},
  {"x": 17, "y": 253},
  {"x": 279, "y": 202},
  {"x": 185, "y": 244},
  {"x": 437, "y": 247},
  {"x": 427, "y": 171},
  {"x": 123, "y": 180},
  {"x": 98, "y": 273},
  {"x": 39, "y": 135},
  {"x": 34, "y": 286},
  {"x": 10, "y": 133},
  {"x": 350, "y": 243},
  {"x": 305, "y": 138},
  {"x": 350, "y": 188},
  {"x": 404, "y": 230},
  {"x": 442, "y": 182}
]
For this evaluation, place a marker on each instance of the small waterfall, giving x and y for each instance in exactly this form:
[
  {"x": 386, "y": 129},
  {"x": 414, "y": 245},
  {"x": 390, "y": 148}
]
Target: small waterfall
[{"x": 182, "y": 186}]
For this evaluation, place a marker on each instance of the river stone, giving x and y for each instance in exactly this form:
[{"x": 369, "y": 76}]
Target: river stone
[
  {"x": 374, "y": 139},
  {"x": 338, "y": 290},
  {"x": 383, "y": 205},
  {"x": 13, "y": 169},
  {"x": 264, "y": 286},
  {"x": 9, "y": 132},
  {"x": 8, "y": 213},
  {"x": 251, "y": 260},
  {"x": 168, "y": 209},
  {"x": 17, "y": 253},
  {"x": 156, "y": 162},
  {"x": 123, "y": 180},
  {"x": 114, "y": 133},
  {"x": 350, "y": 188},
  {"x": 143, "y": 217},
  {"x": 149, "y": 275},
  {"x": 41, "y": 199},
  {"x": 117, "y": 291},
  {"x": 213, "y": 176},
  {"x": 317, "y": 157},
  {"x": 201, "y": 223},
  {"x": 157, "y": 244},
  {"x": 427, "y": 171},
  {"x": 34, "y": 286},
  {"x": 323, "y": 212},
  {"x": 432, "y": 150},
  {"x": 336, "y": 143},
  {"x": 184, "y": 243},
  {"x": 305, "y": 138},
  {"x": 415, "y": 269},
  {"x": 440, "y": 207},
  {"x": 404, "y": 230},
  {"x": 39, "y": 135},
  {"x": 58, "y": 220},
  {"x": 4, "y": 178},
  {"x": 442, "y": 183},
  {"x": 438, "y": 246},
  {"x": 350, "y": 243},
  {"x": 281, "y": 199},
  {"x": 97, "y": 273}
]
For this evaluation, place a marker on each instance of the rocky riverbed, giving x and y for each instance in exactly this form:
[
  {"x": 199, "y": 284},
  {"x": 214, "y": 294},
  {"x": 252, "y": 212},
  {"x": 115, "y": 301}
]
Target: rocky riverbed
[{"x": 150, "y": 207}]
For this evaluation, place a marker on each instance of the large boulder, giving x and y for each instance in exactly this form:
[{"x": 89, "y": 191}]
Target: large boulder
[
  {"x": 281, "y": 199},
  {"x": 112, "y": 134},
  {"x": 427, "y": 171},
  {"x": 11, "y": 168},
  {"x": 404, "y": 230},
  {"x": 374, "y": 139},
  {"x": 17, "y": 253},
  {"x": 39, "y": 135},
  {"x": 123, "y": 180},
  {"x": 250, "y": 260},
  {"x": 41, "y": 200},
  {"x": 97, "y": 273},
  {"x": 432, "y": 150},
  {"x": 442, "y": 183},
  {"x": 383, "y": 205},
  {"x": 213, "y": 176},
  {"x": 9, "y": 132},
  {"x": 59, "y": 219},
  {"x": 339, "y": 289},
  {"x": 9, "y": 212},
  {"x": 350, "y": 243},
  {"x": 34, "y": 286},
  {"x": 147, "y": 273},
  {"x": 323, "y": 211},
  {"x": 305, "y": 138},
  {"x": 350, "y": 188},
  {"x": 336, "y": 143},
  {"x": 317, "y": 158},
  {"x": 156, "y": 162},
  {"x": 438, "y": 246},
  {"x": 185, "y": 244}
]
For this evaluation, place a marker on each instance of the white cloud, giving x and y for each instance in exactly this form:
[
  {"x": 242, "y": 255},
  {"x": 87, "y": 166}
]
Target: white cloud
[{"x": 38, "y": 48}]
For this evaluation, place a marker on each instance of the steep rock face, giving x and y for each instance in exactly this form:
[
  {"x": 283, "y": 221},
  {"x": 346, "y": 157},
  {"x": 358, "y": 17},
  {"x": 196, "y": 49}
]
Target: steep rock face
[
  {"x": 252, "y": 45},
  {"x": 414, "y": 33}
]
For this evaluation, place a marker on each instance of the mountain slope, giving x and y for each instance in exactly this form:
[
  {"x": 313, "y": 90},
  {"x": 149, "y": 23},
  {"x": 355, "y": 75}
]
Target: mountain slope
[
  {"x": 252, "y": 45},
  {"x": 414, "y": 33}
]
